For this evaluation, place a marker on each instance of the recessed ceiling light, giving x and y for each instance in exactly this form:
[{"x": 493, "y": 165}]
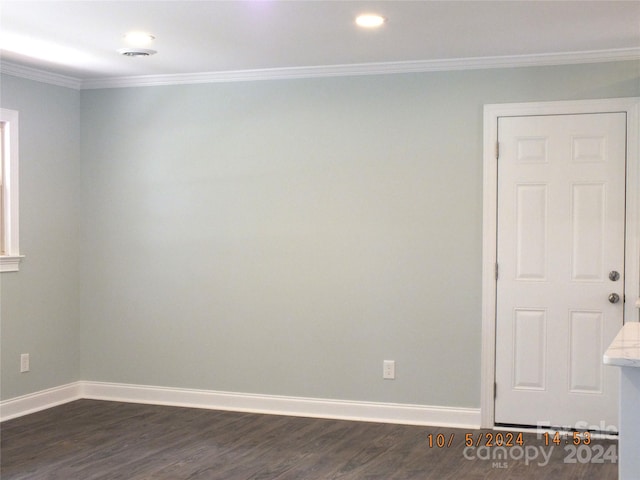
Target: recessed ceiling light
[
  {"x": 139, "y": 39},
  {"x": 370, "y": 20},
  {"x": 136, "y": 52}
]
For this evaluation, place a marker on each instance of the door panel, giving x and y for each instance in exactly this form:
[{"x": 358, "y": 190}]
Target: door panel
[
  {"x": 588, "y": 232},
  {"x": 585, "y": 371},
  {"x": 531, "y": 234},
  {"x": 561, "y": 214},
  {"x": 530, "y": 345}
]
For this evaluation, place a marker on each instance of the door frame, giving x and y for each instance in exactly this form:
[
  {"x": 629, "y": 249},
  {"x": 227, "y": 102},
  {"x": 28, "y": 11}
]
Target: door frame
[{"x": 630, "y": 106}]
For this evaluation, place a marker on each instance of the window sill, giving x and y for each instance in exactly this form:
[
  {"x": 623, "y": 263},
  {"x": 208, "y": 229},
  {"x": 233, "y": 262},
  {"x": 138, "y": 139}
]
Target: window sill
[{"x": 10, "y": 263}]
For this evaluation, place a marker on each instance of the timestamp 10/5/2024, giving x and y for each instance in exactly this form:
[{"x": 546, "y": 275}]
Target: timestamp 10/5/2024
[
  {"x": 508, "y": 439},
  {"x": 477, "y": 439},
  {"x": 577, "y": 445}
]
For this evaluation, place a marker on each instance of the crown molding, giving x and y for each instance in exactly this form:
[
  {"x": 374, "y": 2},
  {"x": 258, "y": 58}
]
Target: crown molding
[
  {"x": 16, "y": 70},
  {"x": 382, "y": 68}
]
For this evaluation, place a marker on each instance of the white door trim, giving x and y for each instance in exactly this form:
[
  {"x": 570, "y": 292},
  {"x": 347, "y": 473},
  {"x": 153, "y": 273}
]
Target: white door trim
[{"x": 631, "y": 106}]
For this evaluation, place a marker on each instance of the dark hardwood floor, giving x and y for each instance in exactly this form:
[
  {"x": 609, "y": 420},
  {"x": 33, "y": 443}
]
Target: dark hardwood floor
[{"x": 91, "y": 440}]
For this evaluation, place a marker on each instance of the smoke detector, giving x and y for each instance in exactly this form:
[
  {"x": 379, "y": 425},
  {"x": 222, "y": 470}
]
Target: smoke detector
[{"x": 136, "y": 52}]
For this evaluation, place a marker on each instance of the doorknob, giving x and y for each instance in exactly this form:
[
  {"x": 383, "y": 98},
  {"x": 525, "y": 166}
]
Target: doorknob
[{"x": 614, "y": 298}]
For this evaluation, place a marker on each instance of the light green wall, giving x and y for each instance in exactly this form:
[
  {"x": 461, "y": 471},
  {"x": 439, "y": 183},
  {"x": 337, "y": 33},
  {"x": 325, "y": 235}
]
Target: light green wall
[
  {"x": 274, "y": 237},
  {"x": 284, "y": 237},
  {"x": 39, "y": 304}
]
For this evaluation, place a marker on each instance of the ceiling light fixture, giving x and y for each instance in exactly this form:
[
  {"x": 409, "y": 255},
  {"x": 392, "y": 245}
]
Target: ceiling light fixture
[
  {"x": 136, "y": 52},
  {"x": 370, "y": 20},
  {"x": 139, "y": 39}
]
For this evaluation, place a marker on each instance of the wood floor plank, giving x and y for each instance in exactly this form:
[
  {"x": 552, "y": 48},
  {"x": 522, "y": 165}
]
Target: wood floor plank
[{"x": 97, "y": 440}]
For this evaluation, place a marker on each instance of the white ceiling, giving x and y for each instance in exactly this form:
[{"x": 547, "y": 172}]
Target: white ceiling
[{"x": 231, "y": 36}]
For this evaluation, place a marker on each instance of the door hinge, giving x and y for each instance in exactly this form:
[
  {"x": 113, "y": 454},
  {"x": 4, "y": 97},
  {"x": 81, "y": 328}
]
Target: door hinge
[
  {"x": 495, "y": 390},
  {"x": 496, "y": 271},
  {"x": 497, "y": 150}
]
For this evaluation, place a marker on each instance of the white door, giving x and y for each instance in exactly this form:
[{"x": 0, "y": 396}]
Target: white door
[{"x": 561, "y": 234}]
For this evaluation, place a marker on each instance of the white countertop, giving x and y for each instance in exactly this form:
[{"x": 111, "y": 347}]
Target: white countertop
[{"x": 624, "y": 351}]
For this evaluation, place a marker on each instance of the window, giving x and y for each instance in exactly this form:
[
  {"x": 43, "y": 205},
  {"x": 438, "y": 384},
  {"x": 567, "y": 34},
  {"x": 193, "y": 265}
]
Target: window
[{"x": 9, "y": 249}]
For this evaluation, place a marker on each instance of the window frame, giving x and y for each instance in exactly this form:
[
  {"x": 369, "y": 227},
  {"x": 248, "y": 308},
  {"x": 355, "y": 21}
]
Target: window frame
[{"x": 10, "y": 255}]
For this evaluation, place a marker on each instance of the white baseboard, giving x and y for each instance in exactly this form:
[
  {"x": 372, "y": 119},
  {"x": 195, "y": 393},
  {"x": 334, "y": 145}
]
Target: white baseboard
[
  {"x": 454, "y": 417},
  {"x": 281, "y": 405},
  {"x": 34, "y": 402}
]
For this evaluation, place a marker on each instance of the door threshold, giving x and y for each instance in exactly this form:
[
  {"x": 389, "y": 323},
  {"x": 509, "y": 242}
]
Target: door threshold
[{"x": 563, "y": 432}]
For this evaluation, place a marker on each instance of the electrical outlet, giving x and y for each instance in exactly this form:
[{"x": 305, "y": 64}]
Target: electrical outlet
[
  {"x": 24, "y": 363},
  {"x": 389, "y": 369}
]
